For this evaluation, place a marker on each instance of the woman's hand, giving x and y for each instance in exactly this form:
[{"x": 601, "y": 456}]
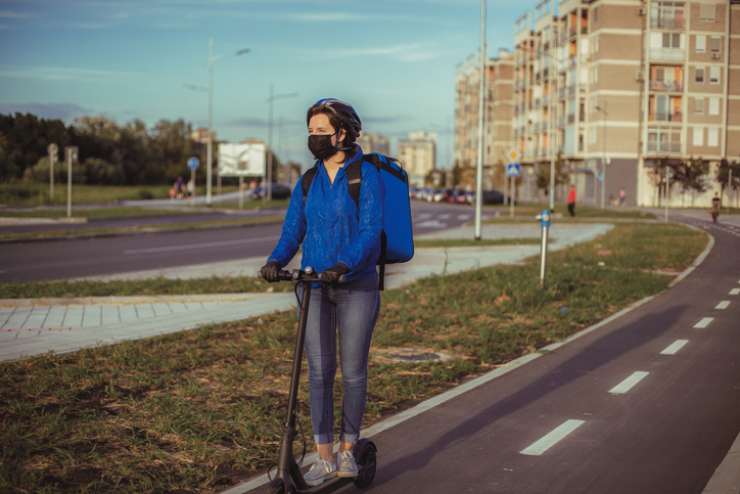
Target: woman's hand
[
  {"x": 270, "y": 272},
  {"x": 335, "y": 272}
]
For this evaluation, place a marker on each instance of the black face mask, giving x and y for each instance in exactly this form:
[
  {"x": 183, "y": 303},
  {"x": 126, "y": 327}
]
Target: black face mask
[{"x": 321, "y": 146}]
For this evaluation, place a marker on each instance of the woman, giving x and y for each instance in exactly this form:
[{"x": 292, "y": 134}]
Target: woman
[{"x": 339, "y": 238}]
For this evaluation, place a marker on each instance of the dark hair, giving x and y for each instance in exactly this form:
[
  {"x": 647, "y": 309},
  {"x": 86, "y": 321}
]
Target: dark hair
[{"x": 341, "y": 116}]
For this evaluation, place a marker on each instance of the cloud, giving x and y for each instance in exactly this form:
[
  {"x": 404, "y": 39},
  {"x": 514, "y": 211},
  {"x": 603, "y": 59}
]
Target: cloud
[
  {"x": 11, "y": 14},
  {"x": 63, "y": 111},
  {"x": 404, "y": 52},
  {"x": 385, "y": 119},
  {"x": 49, "y": 73},
  {"x": 262, "y": 122},
  {"x": 326, "y": 17}
]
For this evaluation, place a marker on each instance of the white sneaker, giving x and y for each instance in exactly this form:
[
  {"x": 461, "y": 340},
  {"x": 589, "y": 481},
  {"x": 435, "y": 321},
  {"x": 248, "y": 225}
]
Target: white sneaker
[
  {"x": 320, "y": 472},
  {"x": 347, "y": 466}
]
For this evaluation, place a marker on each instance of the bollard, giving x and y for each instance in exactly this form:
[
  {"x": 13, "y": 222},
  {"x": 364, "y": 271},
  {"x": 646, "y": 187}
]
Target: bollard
[{"x": 545, "y": 221}]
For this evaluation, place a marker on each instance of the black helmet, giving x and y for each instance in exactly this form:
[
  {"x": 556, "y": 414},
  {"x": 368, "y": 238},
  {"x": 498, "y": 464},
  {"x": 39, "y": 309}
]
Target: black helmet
[{"x": 343, "y": 112}]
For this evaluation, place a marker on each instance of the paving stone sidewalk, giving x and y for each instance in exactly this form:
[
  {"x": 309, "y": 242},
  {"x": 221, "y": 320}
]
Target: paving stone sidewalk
[{"x": 34, "y": 326}]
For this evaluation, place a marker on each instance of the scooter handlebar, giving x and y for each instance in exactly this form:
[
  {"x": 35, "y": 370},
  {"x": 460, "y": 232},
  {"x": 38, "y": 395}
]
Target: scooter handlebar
[{"x": 306, "y": 276}]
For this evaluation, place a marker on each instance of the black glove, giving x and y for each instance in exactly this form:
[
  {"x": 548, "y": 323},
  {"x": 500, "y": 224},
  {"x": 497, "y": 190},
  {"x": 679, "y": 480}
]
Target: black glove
[
  {"x": 333, "y": 274},
  {"x": 270, "y": 272}
]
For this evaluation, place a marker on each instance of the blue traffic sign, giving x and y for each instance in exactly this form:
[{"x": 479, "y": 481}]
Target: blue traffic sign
[
  {"x": 193, "y": 163},
  {"x": 513, "y": 170}
]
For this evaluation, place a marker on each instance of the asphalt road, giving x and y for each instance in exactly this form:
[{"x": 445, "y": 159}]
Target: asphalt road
[
  {"x": 664, "y": 431},
  {"x": 63, "y": 259}
]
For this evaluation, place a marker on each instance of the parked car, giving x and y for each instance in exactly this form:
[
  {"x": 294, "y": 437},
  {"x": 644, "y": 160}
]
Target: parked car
[
  {"x": 492, "y": 197},
  {"x": 279, "y": 191}
]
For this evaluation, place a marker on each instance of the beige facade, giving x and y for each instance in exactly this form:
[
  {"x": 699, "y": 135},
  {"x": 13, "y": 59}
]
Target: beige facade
[
  {"x": 613, "y": 87},
  {"x": 371, "y": 142},
  {"x": 418, "y": 154},
  {"x": 498, "y": 111}
]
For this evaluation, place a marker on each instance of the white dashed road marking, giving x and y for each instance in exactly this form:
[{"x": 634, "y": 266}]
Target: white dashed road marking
[
  {"x": 735, "y": 291},
  {"x": 674, "y": 347},
  {"x": 704, "y": 322},
  {"x": 444, "y": 216},
  {"x": 552, "y": 438},
  {"x": 463, "y": 217},
  {"x": 723, "y": 305},
  {"x": 628, "y": 383},
  {"x": 432, "y": 224}
]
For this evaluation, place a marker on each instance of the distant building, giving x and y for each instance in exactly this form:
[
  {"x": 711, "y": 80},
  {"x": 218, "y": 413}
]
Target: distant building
[
  {"x": 498, "y": 112},
  {"x": 371, "y": 142},
  {"x": 418, "y": 155},
  {"x": 200, "y": 135}
]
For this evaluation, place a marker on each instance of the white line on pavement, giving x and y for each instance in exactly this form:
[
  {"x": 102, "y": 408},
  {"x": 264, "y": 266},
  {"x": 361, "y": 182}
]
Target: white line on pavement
[
  {"x": 202, "y": 245},
  {"x": 425, "y": 216},
  {"x": 674, "y": 347},
  {"x": 432, "y": 224},
  {"x": 444, "y": 216},
  {"x": 463, "y": 217},
  {"x": 704, "y": 322},
  {"x": 628, "y": 383},
  {"x": 735, "y": 291},
  {"x": 552, "y": 438},
  {"x": 723, "y": 305}
]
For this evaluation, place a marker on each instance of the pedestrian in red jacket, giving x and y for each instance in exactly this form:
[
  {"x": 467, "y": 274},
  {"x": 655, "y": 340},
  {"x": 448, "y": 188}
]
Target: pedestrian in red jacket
[{"x": 572, "y": 200}]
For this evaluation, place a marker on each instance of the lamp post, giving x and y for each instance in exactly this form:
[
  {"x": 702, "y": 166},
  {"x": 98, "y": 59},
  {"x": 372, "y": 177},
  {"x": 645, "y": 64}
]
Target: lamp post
[
  {"x": 481, "y": 122},
  {"x": 212, "y": 59},
  {"x": 267, "y": 196},
  {"x": 605, "y": 115}
]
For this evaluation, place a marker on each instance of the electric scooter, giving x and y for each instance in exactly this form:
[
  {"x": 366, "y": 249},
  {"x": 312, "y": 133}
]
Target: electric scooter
[{"x": 289, "y": 478}]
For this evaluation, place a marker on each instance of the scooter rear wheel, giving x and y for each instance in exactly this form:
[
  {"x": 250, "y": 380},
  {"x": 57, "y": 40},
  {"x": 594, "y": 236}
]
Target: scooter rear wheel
[{"x": 365, "y": 452}]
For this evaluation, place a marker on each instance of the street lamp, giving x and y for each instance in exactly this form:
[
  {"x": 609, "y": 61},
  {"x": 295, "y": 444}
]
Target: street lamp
[
  {"x": 271, "y": 99},
  {"x": 481, "y": 122},
  {"x": 603, "y": 146},
  {"x": 211, "y": 63}
]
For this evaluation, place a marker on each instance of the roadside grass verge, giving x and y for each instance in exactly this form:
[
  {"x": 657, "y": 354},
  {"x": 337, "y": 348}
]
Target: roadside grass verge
[
  {"x": 30, "y": 194},
  {"x": 123, "y": 288},
  {"x": 108, "y": 213},
  {"x": 582, "y": 213},
  {"x": 199, "y": 410},
  {"x": 251, "y": 204},
  {"x": 57, "y": 234}
]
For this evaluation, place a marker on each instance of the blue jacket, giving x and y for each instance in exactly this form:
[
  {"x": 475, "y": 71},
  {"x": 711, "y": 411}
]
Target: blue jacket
[{"x": 329, "y": 226}]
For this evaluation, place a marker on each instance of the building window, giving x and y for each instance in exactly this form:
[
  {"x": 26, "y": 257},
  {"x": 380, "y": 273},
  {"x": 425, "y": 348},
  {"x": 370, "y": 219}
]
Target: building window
[
  {"x": 714, "y": 105},
  {"x": 701, "y": 43},
  {"x": 592, "y": 135},
  {"x": 580, "y": 142},
  {"x": 714, "y": 44},
  {"x": 714, "y": 74},
  {"x": 707, "y": 12},
  {"x": 698, "y": 136},
  {"x": 699, "y": 75},
  {"x": 671, "y": 40},
  {"x": 699, "y": 106},
  {"x": 713, "y": 137}
]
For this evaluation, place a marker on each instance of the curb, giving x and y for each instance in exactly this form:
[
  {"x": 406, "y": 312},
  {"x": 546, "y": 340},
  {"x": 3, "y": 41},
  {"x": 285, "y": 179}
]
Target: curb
[
  {"x": 726, "y": 479},
  {"x": 504, "y": 369},
  {"x": 135, "y": 299}
]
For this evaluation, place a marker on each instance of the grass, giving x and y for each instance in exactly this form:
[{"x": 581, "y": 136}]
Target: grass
[
  {"x": 122, "y": 288},
  {"x": 199, "y": 410},
  {"x": 464, "y": 242},
  {"x": 253, "y": 204},
  {"x": 130, "y": 230},
  {"x": 107, "y": 213},
  {"x": 32, "y": 194},
  {"x": 582, "y": 212}
]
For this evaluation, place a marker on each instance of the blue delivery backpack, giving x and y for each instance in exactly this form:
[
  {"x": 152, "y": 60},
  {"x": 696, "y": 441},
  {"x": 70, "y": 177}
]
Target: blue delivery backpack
[{"x": 397, "y": 237}]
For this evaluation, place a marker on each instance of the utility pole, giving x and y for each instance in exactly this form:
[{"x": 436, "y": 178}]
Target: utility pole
[
  {"x": 481, "y": 122},
  {"x": 267, "y": 195},
  {"x": 53, "y": 157},
  {"x": 71, "y": 156},
  {"x": 209, "y": 157}
]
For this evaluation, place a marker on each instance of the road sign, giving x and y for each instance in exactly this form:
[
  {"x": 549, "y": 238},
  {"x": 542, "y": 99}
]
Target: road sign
[
  {"x": 514, "y": 155},
  {"x": 193, "y": 163},
  {"x": 513, "y": 170}
]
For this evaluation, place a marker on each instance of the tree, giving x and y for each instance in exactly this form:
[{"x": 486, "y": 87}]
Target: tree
[
  {"x": 561, "y": 174},
  {"x": 723, "y": 175}
]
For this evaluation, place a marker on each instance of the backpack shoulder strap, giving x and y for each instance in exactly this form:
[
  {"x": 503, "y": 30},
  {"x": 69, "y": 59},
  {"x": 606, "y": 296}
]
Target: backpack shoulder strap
[
  {"x": 354, "y": 179},
  {"x": 307, "y": 179}
]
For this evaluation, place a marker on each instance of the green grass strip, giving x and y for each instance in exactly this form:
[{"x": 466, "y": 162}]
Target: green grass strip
[
  {"x": 199, "y": 410},
  {"x": 130, "y": 230}
]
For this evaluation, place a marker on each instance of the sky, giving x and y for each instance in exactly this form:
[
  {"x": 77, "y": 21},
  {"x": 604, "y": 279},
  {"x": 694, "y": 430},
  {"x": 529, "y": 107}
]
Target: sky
[{"x": 393, "y": 60}]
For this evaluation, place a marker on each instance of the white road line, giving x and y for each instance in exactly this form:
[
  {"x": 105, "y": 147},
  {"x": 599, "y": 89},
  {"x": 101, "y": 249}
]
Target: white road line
[
  {"x": 552, "y": 438},
  {"x": 444, "y": 216},
  {"x": 704, "y": 322},
  {"x": 463, "y": 217},
  {"x": 723, "y": 305},
  {"x": 171, "y": 248},
  {"x": 628, "y": 383},
  {"x": 674, "y": 347},
  {"x": 432, "y": 224},
  {"x": 735, "y": 291},
  {"x": 425, "y": 216}
]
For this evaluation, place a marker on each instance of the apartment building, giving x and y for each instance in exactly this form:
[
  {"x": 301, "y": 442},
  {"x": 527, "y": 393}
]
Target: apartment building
[
  {"x": 371, "y": 142},
  {"x": 418, "y": 154},
  {"x": 613, "y": 88},
  {"x": 498, "y": 111}
]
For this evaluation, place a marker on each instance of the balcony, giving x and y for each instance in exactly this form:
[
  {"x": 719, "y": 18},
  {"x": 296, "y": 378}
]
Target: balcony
[
  {"x": 667, "y": 117},
  {"x": 663, "y": 145},
  {"x": 667, "y": 22},
  {"x": 668, "y": 54},
  {"x": 668, "y": 86}
]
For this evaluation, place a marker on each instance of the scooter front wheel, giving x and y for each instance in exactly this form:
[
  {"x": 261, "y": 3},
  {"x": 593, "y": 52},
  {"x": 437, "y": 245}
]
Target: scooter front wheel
[{"x": 365, "y": 452}]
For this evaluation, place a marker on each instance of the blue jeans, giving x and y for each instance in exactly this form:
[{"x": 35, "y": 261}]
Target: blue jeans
[{"x": 352, "y": 308}]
